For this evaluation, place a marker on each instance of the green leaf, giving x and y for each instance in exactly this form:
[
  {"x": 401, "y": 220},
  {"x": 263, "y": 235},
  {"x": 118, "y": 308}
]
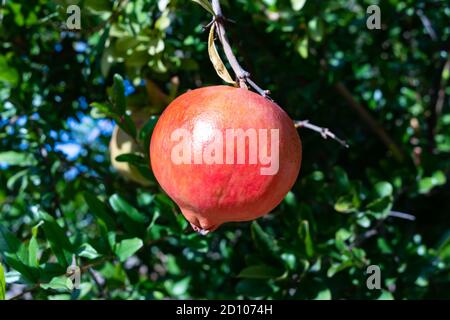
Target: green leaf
[
  {"x": 380, "y": 207},
  {"x": 384, "y": 246},
  {"x": 146, "y": 132},
  {"x": 206, "y": 5},
  {"x": 346, "y": 204},
  {"x": 88, "y": 251},
  {"x": 100, "y": 110},
  {"x": 58, "y": 240},
  {"x": 305, "y": 235},
  {"x": 265, "y": 242},
  {"x": 99, "y": 209},
  {"x": 8, "y": 74},
  {"x": 121, "y": 206},
  {"x": 290, "y": 199},
  {"x": 8, "y": 241},
  {"x": 120, "y": 102},
  {"x": 298, "y": 5},
  {"x": 385, "y": 295},
  {"x": 147, "y": 129},
  {"x": 2, "y": 283},
  {"x": 126, "y": 248},
  {"x": 131, "y": 158},
  {"x": 255, "y": 288},
  {"x": 316, "y": 29},
  {"x": 178, "y": 288},
  {"x": 446, "y": 72},
  {"x": 29, "y": 273},
  {"x": 16, "y": 255},
  {"x": 439, "y": 178},
  {"x": 58, "y": 283},
  {"x": 260, "y": 272},
  {"x": 133, "y": 221},
  {"x": 112, "y": 239},
  {"x": 342, "y": 235},
  {"x": 443, "y": 249},
  {"x": 323, "y": 295},
  {"x": 163, "y": 21},
  {"x": 384, "y": 189},
  {"x": 21, "y": 159},
  {"x": 302, "y": 47},
  {"x": 426, "y": 184},
  {"x": 126, "y": 124},
  {"x": 33, "y": 249},
  {"x": 98, "y": 5},
  {"x": 16, "y": 177},
  {"x": 337, "y": 267}
]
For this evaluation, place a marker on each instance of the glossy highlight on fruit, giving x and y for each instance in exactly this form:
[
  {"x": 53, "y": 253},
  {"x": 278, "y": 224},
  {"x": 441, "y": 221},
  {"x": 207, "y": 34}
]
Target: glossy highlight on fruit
[{"x": 212, "y": 193}]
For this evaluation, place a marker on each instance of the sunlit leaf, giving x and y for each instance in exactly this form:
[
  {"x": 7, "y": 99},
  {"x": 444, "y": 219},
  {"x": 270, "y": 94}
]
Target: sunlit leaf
[
  {"x": 302, "y": 48},
  {"x": 298, "y": 5},
  {"x": 2, "y": 283},
  {"x": 58, "y": 283},
  {"x": 206, "y": 5},
  {"x": 13, "y": 158},
  {"x": 305, "y": 235},
  {"x": 87, "y": 251},
  {"x": 126, "y": 248}
]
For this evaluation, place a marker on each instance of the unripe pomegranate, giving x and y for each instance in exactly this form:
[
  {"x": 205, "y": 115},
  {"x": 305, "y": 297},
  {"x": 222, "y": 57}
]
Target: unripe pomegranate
[
  {"x": 122, "y": 143},
  {"x": 224, "y": 154}
]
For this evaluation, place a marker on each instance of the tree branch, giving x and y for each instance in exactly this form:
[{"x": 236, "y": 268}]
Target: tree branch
[
  {"x": 324, "y": 132},
  {"x": 24, "y": 292},
  {"x": 242, "y": 75},
  {"x": 427, "y": 25},
  {"x": 370, "y": 121}
]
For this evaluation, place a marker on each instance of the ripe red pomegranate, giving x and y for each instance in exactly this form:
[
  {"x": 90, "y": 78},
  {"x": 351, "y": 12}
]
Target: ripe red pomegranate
[{"x": 198, "y": 159}]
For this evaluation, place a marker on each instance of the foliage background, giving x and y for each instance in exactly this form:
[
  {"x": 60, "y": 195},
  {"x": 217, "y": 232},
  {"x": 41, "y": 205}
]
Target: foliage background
[{"x": 60, "y": 197}]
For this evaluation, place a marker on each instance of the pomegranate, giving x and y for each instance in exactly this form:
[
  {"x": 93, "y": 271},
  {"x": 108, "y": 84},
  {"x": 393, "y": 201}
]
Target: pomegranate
[
  {"x": 122, "y": 143},
  {"x": 224, "y": 154}
]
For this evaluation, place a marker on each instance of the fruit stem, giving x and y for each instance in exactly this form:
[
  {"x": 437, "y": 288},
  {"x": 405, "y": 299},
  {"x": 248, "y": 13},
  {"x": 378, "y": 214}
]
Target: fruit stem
[
  {"x": 199, "y": 230},
  {"x": 242, "y": 75}
]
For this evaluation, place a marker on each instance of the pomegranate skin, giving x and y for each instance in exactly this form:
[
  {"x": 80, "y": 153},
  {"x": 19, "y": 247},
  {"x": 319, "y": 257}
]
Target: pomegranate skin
[{"x": 212, "y": 194}]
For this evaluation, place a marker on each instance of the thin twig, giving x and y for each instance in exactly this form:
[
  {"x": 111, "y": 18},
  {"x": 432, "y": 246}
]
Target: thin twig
[
  {"x": 376, "y": 229},
  {"x": 99, "y": 283},
  {"x": 441, "y": 93},
  {"x": 242, "y": 75},
  {"x": 324, "y": 132},
  {"x": 427, "y": 25},
  {"x": 402, "y": 215},
  {"x": 24, "y": 292},
  {"x": 367, "y": 234}
]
